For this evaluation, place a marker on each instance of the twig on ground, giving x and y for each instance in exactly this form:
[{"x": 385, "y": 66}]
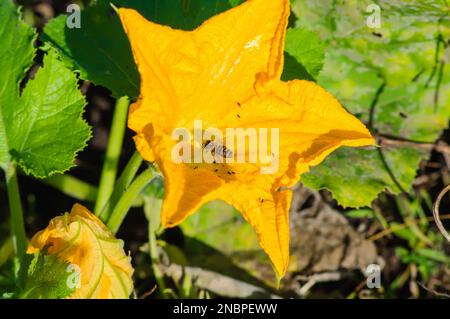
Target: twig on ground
[
  {"x": 148, "y": 293},
  {"x": 437, "y": 293},
  {"x": 436, "y": 214},
  {"x": 445, "y": 155},
  {"x": 317, "y": 278},
  {"x": 374, "y": 103},
  {"x": 394, "y": 141},
  {"x": 427, "y": 178}
]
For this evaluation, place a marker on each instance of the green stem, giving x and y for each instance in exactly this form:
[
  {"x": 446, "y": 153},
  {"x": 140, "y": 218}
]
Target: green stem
[
  {"x": 127, "y": 199},
  {"x": 6, "y": 251},
  {"x": 155, "y": 260},
  {"x": 122, "y": 184},
  {"x": 152, "y": 209},
  {"x": 15, "y": 207},
  {"x": 113, "y": 150}
]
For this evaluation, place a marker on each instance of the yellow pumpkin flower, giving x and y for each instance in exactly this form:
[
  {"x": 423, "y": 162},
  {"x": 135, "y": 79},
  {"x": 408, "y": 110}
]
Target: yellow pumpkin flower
[
  {"x": 82, "y": 240},
  {"x": 226, "y": 74}
]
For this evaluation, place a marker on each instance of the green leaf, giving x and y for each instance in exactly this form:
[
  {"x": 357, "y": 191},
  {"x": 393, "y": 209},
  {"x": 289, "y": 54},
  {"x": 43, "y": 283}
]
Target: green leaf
[
  {"x": 50, "y": 130},
  {"x": 357, "y": 176},
  {"x": 179, "y": 14},
  {"x": 44, "y": 125},
  {"x": 16, "y": 56},
  {"x": 42, "y": 128},
  {"x": 360, "y": 213},
  {"x": 304, "y": 55},
  {"x": 100, "y": 50},
  {"x": 392, "y": 78},
  {"x": 46, "y": 278},
  {"x": 404, "y": 233},
  {"x": 434, "y": 255},
  {"x": 8, "y": 279}
]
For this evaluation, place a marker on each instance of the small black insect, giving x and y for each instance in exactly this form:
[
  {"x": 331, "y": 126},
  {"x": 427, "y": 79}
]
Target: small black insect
[
  {"x": 377, "y": 34},
  {"x": 217, "y": 149}
]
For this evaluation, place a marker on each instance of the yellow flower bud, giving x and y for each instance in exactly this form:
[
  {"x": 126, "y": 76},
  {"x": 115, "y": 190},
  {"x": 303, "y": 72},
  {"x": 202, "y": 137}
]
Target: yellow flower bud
[{"x": 83, "y": 241}]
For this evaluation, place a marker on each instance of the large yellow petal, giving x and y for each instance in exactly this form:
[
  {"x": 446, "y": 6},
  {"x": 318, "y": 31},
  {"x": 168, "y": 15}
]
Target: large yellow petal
[
  {"x": 266, "y": 207},
  {"x": 163, "y": 57},
  {"x": 311, "y": 122},
  {"x": 189, "y": 75},
  {"x": 244, "y": 43}
]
